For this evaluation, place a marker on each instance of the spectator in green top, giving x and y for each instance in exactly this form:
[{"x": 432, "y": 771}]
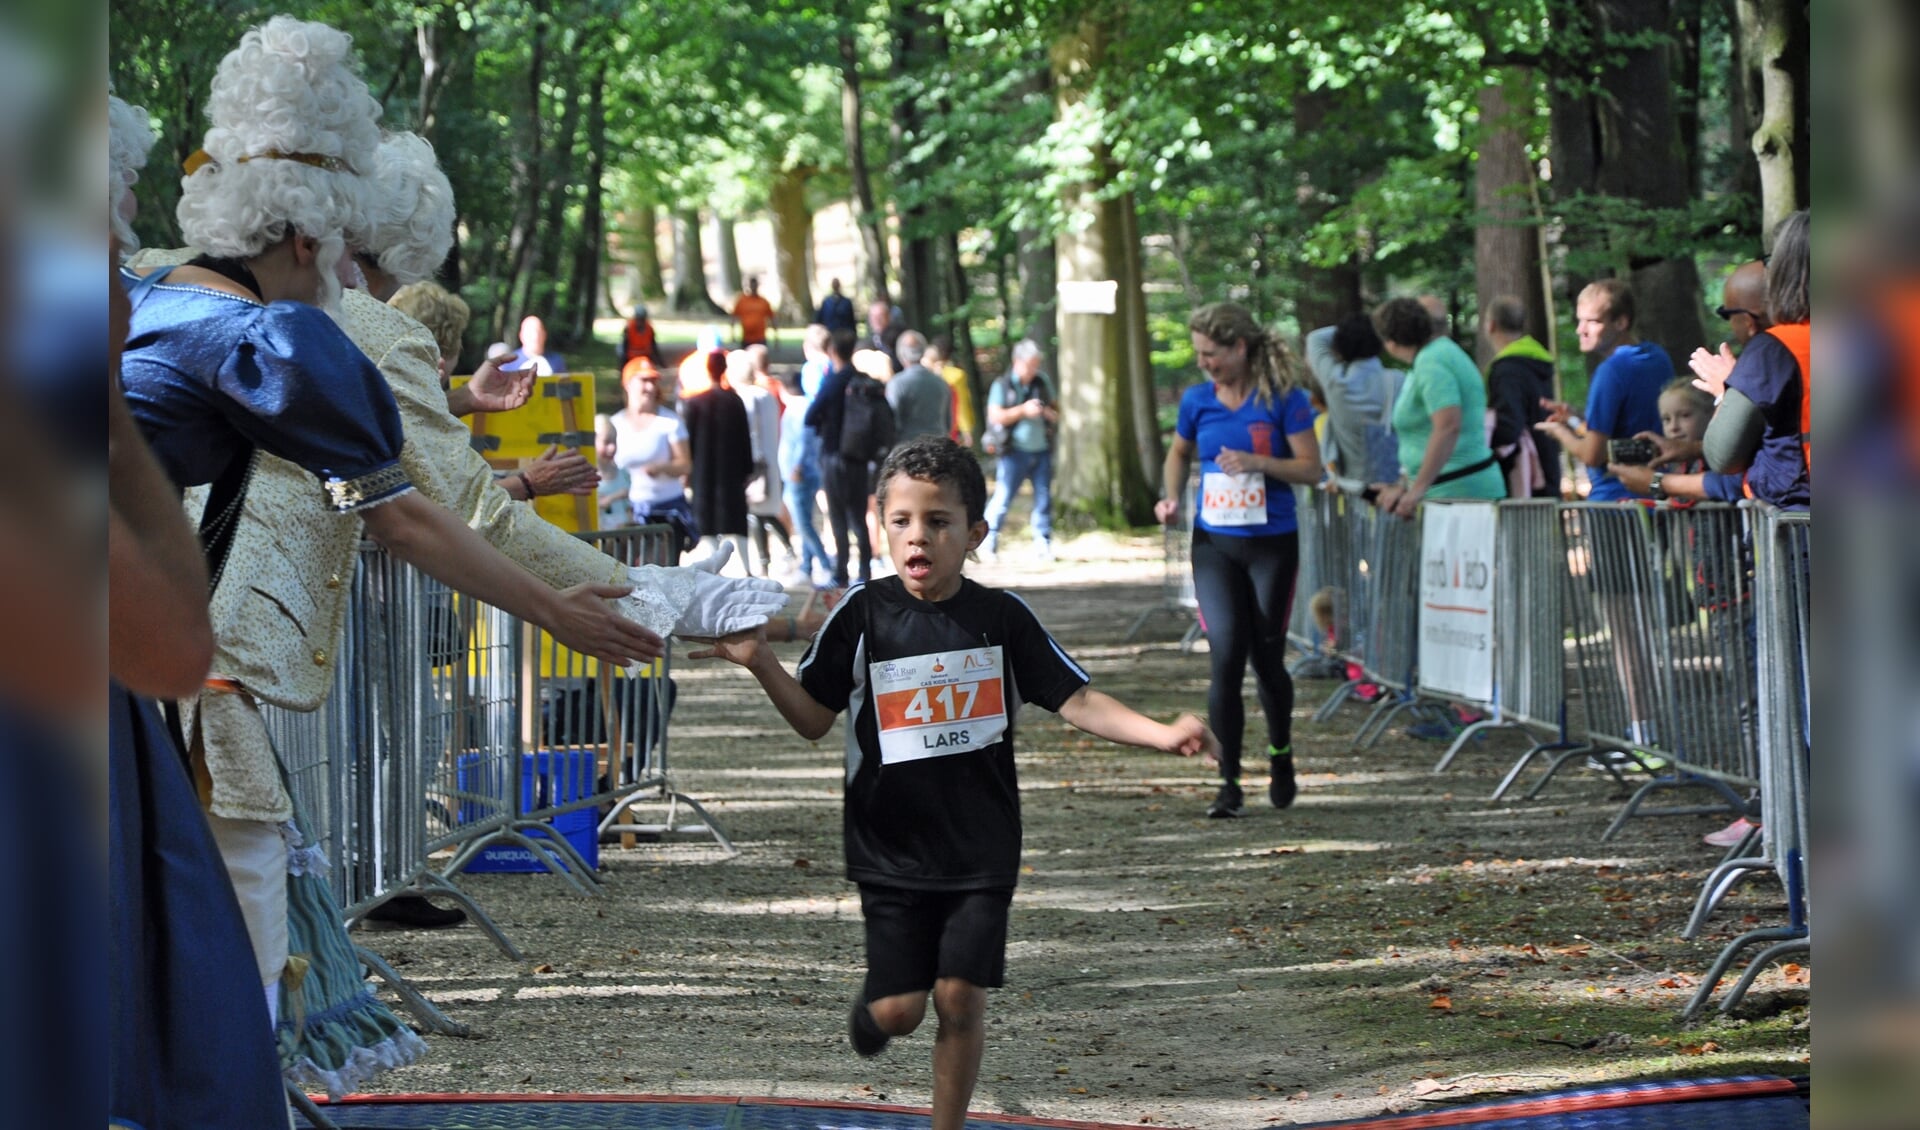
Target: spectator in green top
[{"x": 1439, "y": 416}]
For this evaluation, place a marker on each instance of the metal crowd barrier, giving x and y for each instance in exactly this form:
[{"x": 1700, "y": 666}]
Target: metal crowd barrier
[
  {"x": 1529, "y": 661},
  {"x": 1784, "y": 720},
  {"x": 1176, "y": 587},
  {"x": 1348, "y": 546},
  {"x": 452, "y": 727},
  {"x": 1324, "y": 553},
  {"x": 1658, "y": 599},
  {"x": 1687, "y": 631},
  {"x": 1390, "y": 650}
]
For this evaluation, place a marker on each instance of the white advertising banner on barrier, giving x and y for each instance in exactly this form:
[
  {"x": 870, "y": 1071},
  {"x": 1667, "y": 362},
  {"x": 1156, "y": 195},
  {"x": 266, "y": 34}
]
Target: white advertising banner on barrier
[{"x": 1456, "y": 599}]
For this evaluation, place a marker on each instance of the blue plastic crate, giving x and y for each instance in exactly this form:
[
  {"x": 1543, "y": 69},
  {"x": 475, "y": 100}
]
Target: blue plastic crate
[
  {"x": 547, "y": 777},
  {"x": 581, "y": 829}
]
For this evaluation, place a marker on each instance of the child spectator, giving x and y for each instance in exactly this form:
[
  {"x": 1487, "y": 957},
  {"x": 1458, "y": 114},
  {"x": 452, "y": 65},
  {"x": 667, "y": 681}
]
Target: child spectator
[
  {"x": 934, "y": 668},
  {"x": 1685, "y": 412}
]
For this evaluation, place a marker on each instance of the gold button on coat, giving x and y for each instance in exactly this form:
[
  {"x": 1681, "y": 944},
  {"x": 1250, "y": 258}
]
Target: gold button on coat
[
  {"x": 334, "y": 581},
  {"x": 319, "y": 659}
]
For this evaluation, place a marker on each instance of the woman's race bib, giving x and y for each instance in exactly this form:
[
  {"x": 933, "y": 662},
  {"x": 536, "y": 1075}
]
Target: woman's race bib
[
  {"x": 939, "y": 704},
  {"x": 1233, "y": 500}
]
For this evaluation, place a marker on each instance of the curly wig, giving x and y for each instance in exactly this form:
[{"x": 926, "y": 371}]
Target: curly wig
[
  {"x": 408, "y": 221},
  {"x": 129, "y": 138},
  {"x": 292, "y": 135}
]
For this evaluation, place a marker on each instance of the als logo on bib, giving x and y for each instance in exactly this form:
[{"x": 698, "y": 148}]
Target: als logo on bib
[{"x": 939, "y": 704}]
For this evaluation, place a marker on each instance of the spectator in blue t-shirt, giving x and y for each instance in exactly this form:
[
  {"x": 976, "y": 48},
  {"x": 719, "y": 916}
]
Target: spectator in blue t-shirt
[
  {"x": 1623, "y": 398},
  {"x": 1251, "y": 426}
]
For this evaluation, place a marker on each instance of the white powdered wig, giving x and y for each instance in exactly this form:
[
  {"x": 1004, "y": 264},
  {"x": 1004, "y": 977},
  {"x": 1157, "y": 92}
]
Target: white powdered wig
[
  {"x": 408, "y": 222},
  {"x": 292, "y": 136},
  {"x": 129, "y": 139}
]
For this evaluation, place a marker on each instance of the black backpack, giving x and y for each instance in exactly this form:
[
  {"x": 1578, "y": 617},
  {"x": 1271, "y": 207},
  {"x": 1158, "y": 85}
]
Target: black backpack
[{"x": 867, "y": 428}]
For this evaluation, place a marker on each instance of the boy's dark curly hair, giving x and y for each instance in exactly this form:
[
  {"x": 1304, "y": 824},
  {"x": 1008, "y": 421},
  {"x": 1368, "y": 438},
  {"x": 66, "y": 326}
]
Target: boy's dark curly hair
[{"x": 938, "y": 460}]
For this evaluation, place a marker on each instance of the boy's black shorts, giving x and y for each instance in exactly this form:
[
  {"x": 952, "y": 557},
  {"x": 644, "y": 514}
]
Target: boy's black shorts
[{"x": 916, "y": 937}]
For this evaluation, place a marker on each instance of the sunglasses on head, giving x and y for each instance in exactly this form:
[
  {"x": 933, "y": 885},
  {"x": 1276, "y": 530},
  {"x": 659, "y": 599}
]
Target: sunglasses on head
[{"x": 1726, "y": 313}]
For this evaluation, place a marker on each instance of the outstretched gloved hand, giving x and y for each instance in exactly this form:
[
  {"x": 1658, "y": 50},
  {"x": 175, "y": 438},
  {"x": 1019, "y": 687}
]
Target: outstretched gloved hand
[{"x": 694, "y": 602}]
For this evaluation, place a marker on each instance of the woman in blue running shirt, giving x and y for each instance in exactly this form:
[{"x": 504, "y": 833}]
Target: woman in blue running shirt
[{"x": 1252, "y": 427}]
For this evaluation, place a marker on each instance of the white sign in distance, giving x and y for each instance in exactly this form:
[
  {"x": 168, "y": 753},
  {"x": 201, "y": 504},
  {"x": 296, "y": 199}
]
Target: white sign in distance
[
  {"x": 1100, "y": 296},
  {"x": 1456, "y": 599}
]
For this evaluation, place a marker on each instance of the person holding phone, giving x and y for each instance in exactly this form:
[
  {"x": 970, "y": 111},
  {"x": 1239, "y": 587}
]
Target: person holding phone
[{"x": 1623, "y": 399}]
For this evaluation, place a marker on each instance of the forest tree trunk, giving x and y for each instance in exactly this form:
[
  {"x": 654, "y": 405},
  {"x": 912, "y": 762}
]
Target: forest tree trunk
[
  {"x": 521, "y": 238},
  {"x": 914, "y": 50},
  {"x": 689, "y": 294},
  {"x": 792, "y": 231},
  {"x": 1506, "y": 233},
  {"x": 866, "y": 216},
  {"x": 1618, "y": 137},
  {"x": 958, "y": 328},
  {"x": 1097, "y": 461},
  {"x": 583, "y": 292},
  {"x": 1776, "y": 35},
  {"x": 726, "y": 254},
  {"x": 645, "y": 246},
  {"x": 1038, "y": 266}
]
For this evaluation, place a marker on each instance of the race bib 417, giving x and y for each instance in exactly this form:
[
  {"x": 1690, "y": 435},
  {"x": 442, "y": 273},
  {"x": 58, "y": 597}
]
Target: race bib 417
[{"x": 939, "y": 704}]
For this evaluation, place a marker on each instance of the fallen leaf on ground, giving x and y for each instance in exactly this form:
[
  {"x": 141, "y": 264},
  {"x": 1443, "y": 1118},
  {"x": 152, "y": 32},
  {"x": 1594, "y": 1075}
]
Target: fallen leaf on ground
[{"x": 1442, "y": 1002}]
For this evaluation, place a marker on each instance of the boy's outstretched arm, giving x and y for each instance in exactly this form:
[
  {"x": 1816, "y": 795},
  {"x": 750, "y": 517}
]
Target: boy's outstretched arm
[
  {"x": 808, "y": 718},
  {"x": 1107, "y": 717}
]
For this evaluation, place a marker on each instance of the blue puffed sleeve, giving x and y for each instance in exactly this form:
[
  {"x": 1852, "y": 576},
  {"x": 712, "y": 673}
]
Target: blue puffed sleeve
[{"x": 298, "y": 387}]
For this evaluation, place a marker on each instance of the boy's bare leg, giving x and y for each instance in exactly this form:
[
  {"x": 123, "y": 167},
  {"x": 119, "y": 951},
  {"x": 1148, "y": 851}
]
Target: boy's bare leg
[
  {"x": 957, "y": 1047},
  {"x": 899, "y": 1014}
]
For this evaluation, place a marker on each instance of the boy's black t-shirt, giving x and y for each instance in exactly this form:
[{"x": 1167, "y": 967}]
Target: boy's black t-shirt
[{"x": 932, "y": 798}]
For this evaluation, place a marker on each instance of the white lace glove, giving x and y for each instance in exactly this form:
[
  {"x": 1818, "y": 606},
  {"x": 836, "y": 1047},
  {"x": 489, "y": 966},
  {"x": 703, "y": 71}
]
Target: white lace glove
[{"x": 694, "y": 602}]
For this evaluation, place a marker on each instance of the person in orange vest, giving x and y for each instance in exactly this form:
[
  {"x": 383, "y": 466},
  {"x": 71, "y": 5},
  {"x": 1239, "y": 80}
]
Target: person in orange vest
[
  {"x": 639, "y": 340},
  {"x": 754, "y": 313}
]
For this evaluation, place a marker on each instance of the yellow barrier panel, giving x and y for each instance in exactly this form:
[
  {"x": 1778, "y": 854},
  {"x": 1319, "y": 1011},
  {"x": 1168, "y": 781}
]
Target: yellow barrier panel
[{"x": 559, "y": 412}]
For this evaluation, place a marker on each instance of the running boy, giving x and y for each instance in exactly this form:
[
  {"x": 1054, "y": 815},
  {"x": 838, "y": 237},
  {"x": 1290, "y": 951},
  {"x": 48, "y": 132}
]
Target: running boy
[{"x": 934, "y": 669}]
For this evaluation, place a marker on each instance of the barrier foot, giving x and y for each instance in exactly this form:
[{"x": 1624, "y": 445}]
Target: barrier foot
[
  {"x": 309, "y": 1110},
  {"x": 1725, "y": 961},
  {"x": 708, "y": 825},
  {"x": 1340, "y": 695},
  {"x": 1766, "y": 957},
  {"x": 1382, "y": 725},
  {"x": 542, "y": 850},
  {"x": 1383, "y": 716},
  {"x": 1460, "y": 740},
  {"x": 561, "y": 858},
  {"x": 421, "y": 1008},
  {"x": 1719, "y": 882},
  {"x": 1526, "y": 759},
  {"x": 441, "y": 885},
  {"x": 1572, "y": 752},
  {"x": 1735, "y": 804},
  {"x": 1140, "y": 621},
  {"x": 1747, "y": 843}
]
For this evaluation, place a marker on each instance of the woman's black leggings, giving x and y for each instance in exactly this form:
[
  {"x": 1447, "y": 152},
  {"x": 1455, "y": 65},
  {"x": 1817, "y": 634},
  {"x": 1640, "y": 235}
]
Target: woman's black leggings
[{"x": 1245, "y": 588}]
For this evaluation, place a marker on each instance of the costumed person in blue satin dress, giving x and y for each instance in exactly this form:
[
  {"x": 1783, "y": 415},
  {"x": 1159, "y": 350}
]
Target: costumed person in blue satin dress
[
  {"x": 234, "y": 352},
  {"x": 190, "y": 1039}
]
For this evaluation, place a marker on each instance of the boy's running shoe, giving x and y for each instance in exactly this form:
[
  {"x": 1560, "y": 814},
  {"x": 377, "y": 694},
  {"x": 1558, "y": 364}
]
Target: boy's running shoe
[{"x": 1227, "y": 803}]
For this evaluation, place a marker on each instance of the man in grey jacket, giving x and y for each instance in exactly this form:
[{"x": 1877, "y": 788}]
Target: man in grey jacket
[{"x": 922, "y": 400}]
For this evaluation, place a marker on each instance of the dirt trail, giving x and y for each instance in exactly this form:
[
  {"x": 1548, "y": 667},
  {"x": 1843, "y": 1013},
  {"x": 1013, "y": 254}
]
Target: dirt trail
[{"x": 1394, "y": 940}]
